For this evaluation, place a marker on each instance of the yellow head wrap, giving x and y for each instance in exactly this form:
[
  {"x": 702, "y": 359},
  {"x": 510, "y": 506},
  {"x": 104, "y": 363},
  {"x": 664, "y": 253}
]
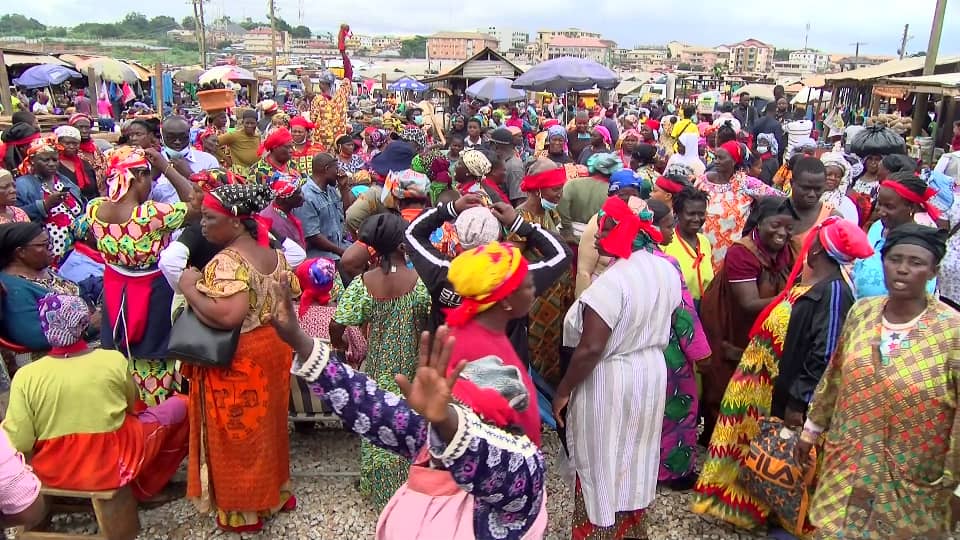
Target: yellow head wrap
[{"x": 483, "y": 276}]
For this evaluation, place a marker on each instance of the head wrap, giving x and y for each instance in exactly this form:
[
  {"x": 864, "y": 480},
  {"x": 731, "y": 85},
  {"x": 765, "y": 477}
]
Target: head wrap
[
  {"x": 405, "y": 184},
  {"x": 604, "y": 134},
  {"x": 604, "y": 163},
  {"x": 496, "y": 392},
  {"x": 384, "y": 233},
  {"x": 299, "y": 121},
  {"x": 514, "y": 130},
  {"x": 316, "y": 278},
  {"x": 63, "y": 319},
  {"x": 268, "y": 106},
  {"x": 843, "y": 241},
  {"x": 628, "y": 179},
  {"x": 285, "y": 186},
  {"x": 67, "y": 132},
  {"x": 932, "y": 239},
  {"x": 549, "y": 176},
  {"x": 211, "y": 179},
  {"x": 770, "y": 140},
  {"x": 484, "y": 276},
  {"x": 16, "y": 235},
  {"x": 943, "y": 185},
  {"x": 654, "y": 125},
  {"x": 415, "y": 136},
  {"x": 376, "y": 138},
  {"x": 476, "y": 162},
  {"x": 836, "y": 159},
  {"x": 5, "y": 174},
  {"x": 632, "y": 133},
  {"x": 645, "y": 153},
  {"x": 242, "y": 201},
  {"x": 122, "y": 165},
  {"x": 618, "y": 241},
  {"x": 476, "y": 226},
  {"x": 43, "y": 145},
  {"x": 78, "y": 117},
  {"x": 276, "y": 139},
  {"x": 735, "y": 150},
  {"x": 669, "y": 185},
  {"x": 556, "y": 131},
  {"x": 909, "y": 195},
  {"x": 766, "y": 207},
  {"x": 805, "y": 145},
  {"x": 438, "y": 168}
]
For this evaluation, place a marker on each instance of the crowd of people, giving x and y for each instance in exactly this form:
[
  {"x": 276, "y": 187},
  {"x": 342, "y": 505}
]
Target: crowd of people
[{"x": 637, "y": 278}]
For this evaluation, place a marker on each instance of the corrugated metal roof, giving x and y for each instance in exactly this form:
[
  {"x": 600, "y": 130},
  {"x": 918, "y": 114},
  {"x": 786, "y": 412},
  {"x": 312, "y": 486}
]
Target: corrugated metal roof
[
  {"x": 888, "y": 69},
  {"x": 16, "y": 59},
  {"x": 944, "y": 79}
]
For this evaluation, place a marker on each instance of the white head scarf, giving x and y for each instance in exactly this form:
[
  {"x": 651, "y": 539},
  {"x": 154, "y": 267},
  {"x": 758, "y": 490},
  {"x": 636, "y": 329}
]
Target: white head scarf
[
  {"x": 691, "y": 150},
  {"x": 836, "y": 159}
]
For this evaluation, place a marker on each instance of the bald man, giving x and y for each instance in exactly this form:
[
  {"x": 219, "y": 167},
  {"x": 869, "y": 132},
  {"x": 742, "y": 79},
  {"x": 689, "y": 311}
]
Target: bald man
[{"x": 175, "y": 138}]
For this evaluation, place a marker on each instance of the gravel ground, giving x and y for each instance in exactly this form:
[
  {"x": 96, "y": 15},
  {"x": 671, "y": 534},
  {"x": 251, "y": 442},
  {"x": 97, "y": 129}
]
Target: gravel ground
[{"x": 325, "y": 471}]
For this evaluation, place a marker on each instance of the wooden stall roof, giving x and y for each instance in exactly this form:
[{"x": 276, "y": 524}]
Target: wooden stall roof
[
  {"x": 947, "y": 84},
  {"x": 486, "y": 63},
  {"x": 892, "y": 68}
]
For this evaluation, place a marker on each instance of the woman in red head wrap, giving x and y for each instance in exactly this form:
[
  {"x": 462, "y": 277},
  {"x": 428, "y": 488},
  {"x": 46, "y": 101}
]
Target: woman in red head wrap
[
  {"x": 276, "y": 156},
  {"x": 731, "y": 193},
  {"x": 304, "y": 147}
]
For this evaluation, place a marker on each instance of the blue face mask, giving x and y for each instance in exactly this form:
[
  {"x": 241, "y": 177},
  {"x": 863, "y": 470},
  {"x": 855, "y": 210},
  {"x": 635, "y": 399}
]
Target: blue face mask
[
  {"x": 583, "y": 135},
  {"x": 175, "y": 154},
  {"x": 547, "y": 205},
  {"x": 418, "y": 120}
]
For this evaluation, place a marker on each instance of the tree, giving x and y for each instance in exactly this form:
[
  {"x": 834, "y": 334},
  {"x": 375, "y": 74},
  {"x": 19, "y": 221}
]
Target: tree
[
  {"x": 782, "y": 54},
  {"x": 15, "y": 23},
  {"x": 249, "y": 24},
  {"x": 188, "y": 23},
  {"x": 683, "y": 66},
  {"x": 415, "y": 47},
  {"x": 301, "y": 32},
  {"x": 162, "y": 24}
]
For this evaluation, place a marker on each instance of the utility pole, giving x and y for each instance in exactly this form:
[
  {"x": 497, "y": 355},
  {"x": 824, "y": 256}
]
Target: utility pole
[
  {"x": 857, "y": 44},
  {"x": 273, "y": 42},
  {"x": 806, "y": 38},
  {"x": 903, "y": 42},
  {"x": 201, "y": 23},
  {"x": 929, "y": 66},
  {"x": 199, "y": 31}
]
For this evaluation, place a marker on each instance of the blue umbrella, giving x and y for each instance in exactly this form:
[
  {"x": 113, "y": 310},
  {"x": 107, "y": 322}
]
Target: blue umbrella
[
  {"x": 495, "y": 90},
  {"x": 407, "y": 83},
  {"x": 567, "y": 73},
  {"x": 45, "y": 75}
]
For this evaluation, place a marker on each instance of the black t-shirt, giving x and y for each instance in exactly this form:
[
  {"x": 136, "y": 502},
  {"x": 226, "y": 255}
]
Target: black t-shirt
[{"x": 201, "y": 250}]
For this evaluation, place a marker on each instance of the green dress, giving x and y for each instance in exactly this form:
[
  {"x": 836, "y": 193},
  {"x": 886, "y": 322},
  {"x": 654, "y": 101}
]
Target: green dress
[{"x": 393, "y": 338}]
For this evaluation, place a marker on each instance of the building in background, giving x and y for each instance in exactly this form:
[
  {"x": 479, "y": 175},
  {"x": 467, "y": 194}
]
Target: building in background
[
  {"x": 259, "y": 40},
  {"x": 545, "y": 36},
  {"x": 751, "y": 56},
  {"x": 313, "y": 47},
  {"x": 458, "y": 45},
  {"x": 222, "y": 31},
  {"x": 514, "y": 41},
  {"x": 811, "y": 60},
  {"x": 595, "y": 49},
  {"x": 703, "y": 58}
]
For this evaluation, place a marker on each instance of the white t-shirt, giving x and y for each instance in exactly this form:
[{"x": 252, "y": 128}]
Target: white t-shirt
[
  {"x": 41, "y": 108},
  {"x": 797, "y": 131}
]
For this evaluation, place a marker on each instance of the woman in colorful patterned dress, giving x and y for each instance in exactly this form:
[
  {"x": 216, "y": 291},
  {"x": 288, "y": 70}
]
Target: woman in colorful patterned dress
[
  {"x": 687, "y": 346},
  {"x": 276, "y": 156},
  {"x": 239, "y": 462},
  {"x": 130, "y": 232},
  {"x": 304, "y": 148},
  {"x": 395, "y": 304},
  {"x": 544, "y": 187},
  {"x": 750, "y": 393},
  {"x": 49, "y": 197},
  {"x": 731, "y": 192},
  {"x": 885, "y": 410}
]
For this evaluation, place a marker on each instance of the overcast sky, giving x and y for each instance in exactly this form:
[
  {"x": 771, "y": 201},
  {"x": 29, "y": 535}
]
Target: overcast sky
[{"x": 835, "y": 24}]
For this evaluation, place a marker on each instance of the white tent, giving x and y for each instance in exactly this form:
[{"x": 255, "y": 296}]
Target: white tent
[{"x": 806, "y": 95}]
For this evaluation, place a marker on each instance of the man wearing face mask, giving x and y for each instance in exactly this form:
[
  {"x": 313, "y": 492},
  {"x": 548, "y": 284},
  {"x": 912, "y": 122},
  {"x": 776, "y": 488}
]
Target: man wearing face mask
[
  {"x": 501, "y": 140},
  {"x": 175, "y": 138},
  {"x": 579, "y": 137}
]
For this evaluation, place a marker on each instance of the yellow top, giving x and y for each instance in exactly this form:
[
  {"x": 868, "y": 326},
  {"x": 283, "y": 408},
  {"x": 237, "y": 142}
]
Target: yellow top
[{"x": 697, "y": 274}]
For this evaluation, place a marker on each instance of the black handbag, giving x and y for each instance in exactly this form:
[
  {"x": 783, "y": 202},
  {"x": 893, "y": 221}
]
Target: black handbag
[{"x": 193, "y": 342}]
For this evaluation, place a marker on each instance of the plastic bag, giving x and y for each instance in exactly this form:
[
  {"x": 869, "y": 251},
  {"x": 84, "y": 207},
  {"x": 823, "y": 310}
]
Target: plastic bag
[{"x": 877, "y": 141}]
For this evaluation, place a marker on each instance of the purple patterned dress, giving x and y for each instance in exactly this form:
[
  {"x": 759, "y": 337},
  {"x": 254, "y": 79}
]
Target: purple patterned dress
[
  {"x": 504, "y": 473},
  {"x": 688, "y": 345}
]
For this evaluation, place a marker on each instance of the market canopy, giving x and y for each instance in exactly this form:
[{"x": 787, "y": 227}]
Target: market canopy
[
  {"x": 227, "y": 73},
  {"x": 18, "y": 59},
  {"x": 45, "y": 75},
  {"x": 947, "y": 84},
  {"x": 567, "y": 73},
  {"x": 762, "y": 91},
  {"x": 188, "y": 74},
  {"x": 109, "y": 69},
  {"x": 806, "y": 95},
  {"x": 495, "y": 90},
  {"x": 892, "y": 68}
]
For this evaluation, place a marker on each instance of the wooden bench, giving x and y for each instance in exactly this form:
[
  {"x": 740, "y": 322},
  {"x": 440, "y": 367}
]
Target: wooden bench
[{"x": 115, "y": 510}]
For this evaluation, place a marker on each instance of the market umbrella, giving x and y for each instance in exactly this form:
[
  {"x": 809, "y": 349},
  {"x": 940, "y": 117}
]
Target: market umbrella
[
  {"x": 227, "y": 73},
  {"x": 406, "y": 83},
  {"x": 495, "y": 90},
  {"x": 762, "y": 91},
  {"x": 109, "y": 69},
  {"x": 45, "y": 75},
  {"x": 567, "y": 73},
  {"x": 188, "y": 74}
]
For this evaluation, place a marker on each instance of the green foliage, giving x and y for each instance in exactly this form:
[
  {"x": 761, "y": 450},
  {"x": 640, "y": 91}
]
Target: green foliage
[
  {"x": 16, "y": 24},
  {"x": 301, "y": 32},
  {"x": 782, "y": 54},
  {"x": 133, "y": 25},
  {"x": 188, "y": 23},
  {"x": 415, "y": 47}
]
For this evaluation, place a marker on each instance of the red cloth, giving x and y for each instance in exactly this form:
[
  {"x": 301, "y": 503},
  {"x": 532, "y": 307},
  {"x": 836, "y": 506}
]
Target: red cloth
[
  {"x": 475, "y": 341},
  {"x": 955, "y": 143},
  {"x": 122, "y": 289},
  {"x": 618, "y": 241},
  {"x": 735, "y": 150},
  {"x": 79, "y": 171},
  {"x": 546, "y": 179},
  {"x": 210, "y": 202},
  {"x": 299, "y": 121},
  {"x": 277, "y": 138},
  {"x": 922, "y": 200}
]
